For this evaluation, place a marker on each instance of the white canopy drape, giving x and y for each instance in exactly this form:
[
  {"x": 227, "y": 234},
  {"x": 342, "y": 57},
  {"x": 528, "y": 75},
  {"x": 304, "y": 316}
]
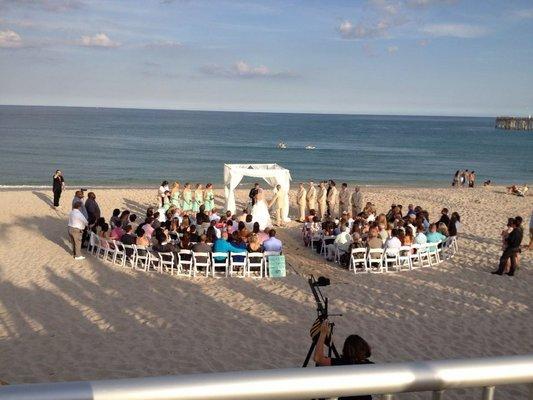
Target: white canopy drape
[{"x": 273, "y": 174}]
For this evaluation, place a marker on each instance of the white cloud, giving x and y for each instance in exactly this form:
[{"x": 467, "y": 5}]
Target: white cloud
[
  {"x": 427, "y": 3},
  {"x": 168, "y": 44},
  {"x": 392, "y": 49},
  {"x": 361, "y": 31},
  {"x": 389, "y": 7},
  {"x": 241, "y": 69},
  {"x": 10, "y": 39},
  {"x": 98, "y": 40},
  {"x": 455, "y": 30},
  {"x": 524, "y": 14}
]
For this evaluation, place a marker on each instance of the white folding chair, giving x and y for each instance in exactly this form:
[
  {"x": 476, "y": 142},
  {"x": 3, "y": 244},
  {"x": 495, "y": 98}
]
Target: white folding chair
[
  {"x": 130, "y": 254},
  {"x": 433, "y": 253},
  {"x": 255, "y": 261},
  {"x": 404, "y": 257},
  {"x": 424, "y": 255},
  {"x": 391, "y": 260},
  {"x": 185, "y": 262},
  {"x": 104, "y": 247},
  {"x": 323, "y": 246},
  {"x": 154, "y": 261},
  {"x": 142, "y": 257},
  {"x": 167, "y": 262},
  {"x": 219, "y": 261},
  {"x": 236, "y": 265},
  {"x": 415, "y": 256},
  {"x": 93, "y": 242},
  {"x": 119, "y": 255},
  {"x": 375, "y": 260},
  {"x": 201, "y": 260},
  {"x": 358, "y": 260}
]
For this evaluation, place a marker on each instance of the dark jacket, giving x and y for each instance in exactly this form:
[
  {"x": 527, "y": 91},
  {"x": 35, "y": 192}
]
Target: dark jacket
[{"x": 515, "y": 238}]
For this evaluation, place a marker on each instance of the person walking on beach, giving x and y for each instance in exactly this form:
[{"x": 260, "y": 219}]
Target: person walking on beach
[
  {"x": 58, "y": 185},
  {"x": 344, "y": 199},
  {"x": 311, "y": 196},
  {"x": 512, "y": 249},
  {"x": 357, "y": 202},
  {"x": 456, "y": 178},
  {"x": 301, "y": 199},
  {"x": 76, "y": 225}
]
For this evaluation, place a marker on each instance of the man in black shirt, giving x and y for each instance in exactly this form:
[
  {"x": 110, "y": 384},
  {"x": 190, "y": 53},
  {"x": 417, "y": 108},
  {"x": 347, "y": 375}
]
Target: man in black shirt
[
  {"x": 253, "y": 193},
  {"x": 513, "y": 242}
]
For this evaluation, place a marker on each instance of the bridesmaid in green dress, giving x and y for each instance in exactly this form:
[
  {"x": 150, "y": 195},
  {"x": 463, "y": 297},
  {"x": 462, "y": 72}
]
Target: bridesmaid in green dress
[
  {"x": 198, "y": 198},
  {"x": 187, "y": 197},
  {"x": 209, "y": 198},
  {"x": 175, "y": 195}
]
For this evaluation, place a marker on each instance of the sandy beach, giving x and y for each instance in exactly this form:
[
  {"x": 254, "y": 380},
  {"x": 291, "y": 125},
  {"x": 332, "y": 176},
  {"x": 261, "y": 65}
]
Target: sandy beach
[{"x": 66, "y": 320}]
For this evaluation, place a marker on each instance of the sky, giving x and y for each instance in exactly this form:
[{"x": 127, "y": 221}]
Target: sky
[{"x": 417, "y": 57}]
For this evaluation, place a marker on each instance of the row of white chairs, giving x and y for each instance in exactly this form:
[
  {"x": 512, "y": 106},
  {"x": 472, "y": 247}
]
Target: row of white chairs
[
  {"x": 184, "y": 262},
  {"x": 404, "y": 258}
]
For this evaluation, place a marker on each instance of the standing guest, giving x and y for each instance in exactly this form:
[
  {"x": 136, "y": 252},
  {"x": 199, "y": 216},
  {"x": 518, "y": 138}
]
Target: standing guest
[
  {"x": 273, "y": 243},
  {"x": 78, "y": 198},
  {"x": 357, "y": 202},
  {"x": 175, "y": 195},
  {"x": 311, "y": 196},
  {"x": 209, "y": 197},
  {"x": 161, "y": 192},
  {"x": 279, "y": 202},
  {"x": 301, "y": 199},
  {"x": 253, "y": 193},
  {"x": 513, "y": 242},
  {"x": 444, "y": 217},
  {"x": 76, "y": 225},
  {"x": 243, "y": 215},
  {"x": 198, "y": 198},
  {"x": 249, "y": 222},
  {"x": 92, "y": 207},
  {"x": 332, "y": 199},
  {"x": 322, "y": 200},
  {"x": 455, "y": 224},
  {"x": 187, "y": 198},
  {"x": 344, "y": 199},
  {"x": 58, "y": 185}
]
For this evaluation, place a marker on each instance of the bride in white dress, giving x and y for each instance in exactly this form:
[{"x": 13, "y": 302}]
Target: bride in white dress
[{"x": 260, "y": 211}]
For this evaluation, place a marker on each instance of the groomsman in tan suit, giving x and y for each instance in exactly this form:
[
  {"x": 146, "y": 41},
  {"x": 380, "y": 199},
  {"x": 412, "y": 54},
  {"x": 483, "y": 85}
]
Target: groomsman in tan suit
[
  {"x": 311, "y": 196},
  {"x": 301, "y": 199},
  {"x": 357, "y": 202},
  {"x": 344, "y": 199},
  {"x": 322, "y": 200},
  {"x": 333, "y": 199},
  {"x": 279, "y": 201}
]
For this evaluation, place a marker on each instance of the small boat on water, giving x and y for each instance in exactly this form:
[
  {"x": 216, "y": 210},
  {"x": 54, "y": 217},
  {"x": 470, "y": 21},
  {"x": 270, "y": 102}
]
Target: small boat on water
[
  {"x": 310, "y": 147},
  {"x": 282, "y": 145}
]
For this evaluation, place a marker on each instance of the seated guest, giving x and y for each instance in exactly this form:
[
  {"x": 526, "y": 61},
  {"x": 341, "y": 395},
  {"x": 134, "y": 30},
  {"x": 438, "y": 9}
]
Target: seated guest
[
  {"x": 243, "y": 231},
  {"x": 393, "y": 244},
  {"x": 128, "y": 237},
  {"x": 444, "y": 217},
  {"x": 408, "y": 238},
  {"x": 133, "y": 222},
  {"x": 157, "y": 220},
  {"x": 342, "y": 242},
  {"x": 104, "y": 234},
  {"x": 383, "y": 234},
  {"x": 124, "y": 217},
  {"x": 214, "y": 215},
  {"x": 193, "y": 236},
  {"x": 243, "y": 215},
  {"x": 185, "y": 241},
  {"x": 201, "y": 216},
  {"x": 114, "y": 218},
  {"x": 117, "y": 231},
  {"x": 211, "y": 234},
  {"x": 163, "y": 244},
  {"x": 272, "y": 243},
  {"x": 433, "y": 236},
  {"x": 420, "y": 237},
  {"x": 374, "y": 241},
  {"x": 223, "y": 246},
  {"x": 248, "y": 222},
  {"x": 202, "y": 246},
  {"x": 229, "y": 215},
  {"x": 443, "y": 229},
  {"x": 254, "y": 246}
]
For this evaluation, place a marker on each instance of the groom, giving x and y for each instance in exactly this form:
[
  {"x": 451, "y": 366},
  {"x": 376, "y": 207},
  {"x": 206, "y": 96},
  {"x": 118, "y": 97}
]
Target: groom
[{"x": 279, "y": 201}]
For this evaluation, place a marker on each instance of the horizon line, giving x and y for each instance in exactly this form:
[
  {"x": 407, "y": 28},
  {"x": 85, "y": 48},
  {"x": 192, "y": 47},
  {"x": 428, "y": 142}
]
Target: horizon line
[{"x": 254, "y": 111}]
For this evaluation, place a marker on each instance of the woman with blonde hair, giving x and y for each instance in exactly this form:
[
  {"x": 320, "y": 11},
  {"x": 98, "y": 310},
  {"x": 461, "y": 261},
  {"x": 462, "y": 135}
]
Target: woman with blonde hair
[
  {"x": 198, "y": 198},
  {"x": 175, "y": 195}
]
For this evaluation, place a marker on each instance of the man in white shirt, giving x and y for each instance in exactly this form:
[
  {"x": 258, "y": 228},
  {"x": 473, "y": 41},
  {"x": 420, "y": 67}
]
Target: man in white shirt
[
  {"x": 76, "y": 225},
  {"x": 393, "y": 244},
  {"x": 342, "y": 242}
]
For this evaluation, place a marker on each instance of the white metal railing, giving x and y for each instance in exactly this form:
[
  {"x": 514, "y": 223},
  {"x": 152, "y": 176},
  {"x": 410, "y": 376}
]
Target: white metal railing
[{"x": 297, "y": 383}]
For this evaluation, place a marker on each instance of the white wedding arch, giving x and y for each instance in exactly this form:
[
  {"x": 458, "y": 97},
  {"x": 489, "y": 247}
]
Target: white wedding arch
[{"x": 273, "y": 174}]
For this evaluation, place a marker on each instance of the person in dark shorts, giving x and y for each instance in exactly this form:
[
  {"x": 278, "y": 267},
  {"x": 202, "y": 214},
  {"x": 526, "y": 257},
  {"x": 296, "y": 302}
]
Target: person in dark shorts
[
  {"x": 58, "y": 184},
  {"x": 354, "y": 351}
]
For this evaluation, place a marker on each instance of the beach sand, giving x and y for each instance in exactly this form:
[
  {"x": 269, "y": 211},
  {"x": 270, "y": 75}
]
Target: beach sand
[{"x": 63, "y": 320}]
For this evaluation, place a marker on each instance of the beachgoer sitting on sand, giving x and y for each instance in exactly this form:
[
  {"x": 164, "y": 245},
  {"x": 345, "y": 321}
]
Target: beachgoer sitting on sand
[
  {"x": 517, "y": 190},
  {"x": 487, "y": 183}
]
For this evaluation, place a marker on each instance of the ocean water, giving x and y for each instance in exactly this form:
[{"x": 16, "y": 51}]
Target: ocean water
[{"x": 129, "y": 147}]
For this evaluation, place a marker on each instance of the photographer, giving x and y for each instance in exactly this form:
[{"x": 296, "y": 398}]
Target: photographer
[{"x": 354, "y": 351}]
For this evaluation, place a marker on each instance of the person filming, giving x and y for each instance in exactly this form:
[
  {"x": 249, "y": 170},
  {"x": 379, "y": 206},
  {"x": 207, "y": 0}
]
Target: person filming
[{"x": 354, "y": 351}]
